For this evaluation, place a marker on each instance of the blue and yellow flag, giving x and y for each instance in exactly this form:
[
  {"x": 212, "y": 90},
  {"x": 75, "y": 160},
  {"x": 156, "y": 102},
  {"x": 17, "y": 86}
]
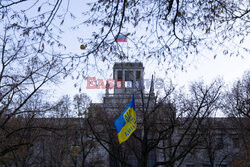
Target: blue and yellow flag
[{"x": 125, "y": 124}]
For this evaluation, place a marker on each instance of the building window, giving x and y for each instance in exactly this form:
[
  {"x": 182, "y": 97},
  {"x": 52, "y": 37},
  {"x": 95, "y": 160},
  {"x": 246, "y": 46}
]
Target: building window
[
  {"x": 152, "y": 157},
  {"x": 138, "y": 75},
  {"x": 138, "y": 84},
  {"x": 219, "y": 143},
  {"x": 119, "y": 75},
  {"x": 128, "y": 75},
  {"x": 236, "y": 143},
  {"x": 206, "y": 165},
  {"x": 128, "y": 84},
  {"x": 138, "y": 81},
  {"x": 128, "y": 79},
  {"x": 221, "y": 165},
  {"x": 189, "y": 165}
]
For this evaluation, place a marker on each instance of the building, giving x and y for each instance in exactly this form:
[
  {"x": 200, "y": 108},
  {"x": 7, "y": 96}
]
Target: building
[
  {"x": 213, "y": 141},
  {"x": 128, "y": 80},
  {"x": 167, "y": 135},
  {"x": 210, "y": 142}
]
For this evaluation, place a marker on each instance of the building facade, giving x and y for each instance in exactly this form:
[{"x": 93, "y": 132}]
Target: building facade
[
  {"x": 213, "y": 142},
  {"x": 167, "y": 135}
]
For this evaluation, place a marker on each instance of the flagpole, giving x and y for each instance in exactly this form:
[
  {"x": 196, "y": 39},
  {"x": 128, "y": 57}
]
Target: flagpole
[{"x": 127, "y": 48}]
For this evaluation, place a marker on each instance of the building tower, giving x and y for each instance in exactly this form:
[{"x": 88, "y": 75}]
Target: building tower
[{"x": 128, "y": 78}]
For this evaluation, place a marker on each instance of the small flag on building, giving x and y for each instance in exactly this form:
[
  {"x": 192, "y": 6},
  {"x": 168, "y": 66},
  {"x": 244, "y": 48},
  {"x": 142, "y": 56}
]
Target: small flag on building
[
  {"x": 121, "y": 38},
  {"x": 125, "y": 124}
]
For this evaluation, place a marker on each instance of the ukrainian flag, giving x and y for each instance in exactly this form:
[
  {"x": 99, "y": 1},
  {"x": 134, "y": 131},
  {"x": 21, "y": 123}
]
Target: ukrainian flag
[{"x": 125, "y": 124}]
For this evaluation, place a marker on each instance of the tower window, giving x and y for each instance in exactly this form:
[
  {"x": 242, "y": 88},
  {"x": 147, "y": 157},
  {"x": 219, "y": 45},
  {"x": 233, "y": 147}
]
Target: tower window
[
  {"x": 128, "y": 75},
  {"x": 128, "y": 84},
  {"x": 128, "y": 79},
  {"x": 219, "y": 143},
  {"x": 119, "y": 75},
  {"x": 236, "y": 143},
  {"x": 138, "y": 75}
]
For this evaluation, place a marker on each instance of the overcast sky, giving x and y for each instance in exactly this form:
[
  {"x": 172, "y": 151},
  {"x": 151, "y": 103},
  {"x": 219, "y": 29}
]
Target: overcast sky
[{"x": 203, "y": 67}]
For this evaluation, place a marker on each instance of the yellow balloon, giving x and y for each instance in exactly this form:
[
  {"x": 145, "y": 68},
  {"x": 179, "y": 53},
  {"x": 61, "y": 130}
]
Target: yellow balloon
[{"x": 82, "y": 46}]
